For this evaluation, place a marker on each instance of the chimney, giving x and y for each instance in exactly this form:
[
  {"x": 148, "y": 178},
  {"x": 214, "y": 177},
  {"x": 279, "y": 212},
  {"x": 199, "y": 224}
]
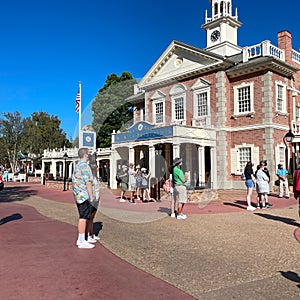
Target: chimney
[{"x": 285, "y": 43}]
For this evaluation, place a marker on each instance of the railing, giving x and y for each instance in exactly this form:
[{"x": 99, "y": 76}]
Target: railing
[
  {"x": 265, "y": 48},
  {"x": 71, "y": 152},
  {"x": 59, "y": 153},
  {"x": 296, "y": 56}
]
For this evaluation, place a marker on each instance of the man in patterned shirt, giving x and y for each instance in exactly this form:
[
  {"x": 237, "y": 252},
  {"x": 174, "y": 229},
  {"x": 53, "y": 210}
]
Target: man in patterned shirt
[{"x": 83, "y": 194}]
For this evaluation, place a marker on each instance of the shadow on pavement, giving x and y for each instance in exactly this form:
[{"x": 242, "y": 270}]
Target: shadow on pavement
[
  {"x": 293, "y": 276},
  {"x": 238, "y": 203},
  {"x": 16, "y": 193},
  {"x": 97, "y": 227},
  {"x": 288, "y": 221},
  {"x": 10, "y": 218},
  {"x": 164, "y": 210}
]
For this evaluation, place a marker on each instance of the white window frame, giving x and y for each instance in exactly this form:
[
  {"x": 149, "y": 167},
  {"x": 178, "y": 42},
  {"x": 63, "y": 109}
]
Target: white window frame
[
  {"x": 155, "y": 114},
  {"x": 196, "y": 94},
  {"x": 236, "y": 98},
  {"x": 158, "y": 97},
  {"x": 297, "y": 113},
  {"x": 284, "y": 92},
  {"x": 236, "y": 167},
  {"x": 178, "y": 91}
]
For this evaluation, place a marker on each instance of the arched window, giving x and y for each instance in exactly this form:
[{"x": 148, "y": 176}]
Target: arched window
[{"x": 178, "y": 97}]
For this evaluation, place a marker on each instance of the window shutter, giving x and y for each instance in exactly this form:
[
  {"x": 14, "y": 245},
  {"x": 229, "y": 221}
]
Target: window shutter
[
  {"x": 255, "y": 158},
  {"x": 234, "y": 165}
]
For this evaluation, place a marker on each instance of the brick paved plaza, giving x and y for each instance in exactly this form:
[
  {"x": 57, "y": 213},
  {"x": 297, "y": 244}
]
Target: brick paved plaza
[{"x": 220, "y": 252}]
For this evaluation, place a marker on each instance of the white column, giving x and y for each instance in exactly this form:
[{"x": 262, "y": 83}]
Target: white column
[
  {"x": 113, "y": 169},
  {"x": 53, "y": 168},
  {"x": 152, "y": 160},
  {"x": 70, "y": 169},
  {"x": 131, "y": 154},
  {"x": 176, "y": 150},
  {"x": 201, "y": 166},
  {"x": 43, "y": 168},
  {"x": 62, "y": 169},
  {"x": 213, "y": 170}
]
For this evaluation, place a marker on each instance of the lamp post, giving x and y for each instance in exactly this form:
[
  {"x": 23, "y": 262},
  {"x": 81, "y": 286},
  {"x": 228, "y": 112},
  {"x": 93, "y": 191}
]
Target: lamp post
[
  {"x": 65, "y": 171},
  {"x": 288, "y": 138}
]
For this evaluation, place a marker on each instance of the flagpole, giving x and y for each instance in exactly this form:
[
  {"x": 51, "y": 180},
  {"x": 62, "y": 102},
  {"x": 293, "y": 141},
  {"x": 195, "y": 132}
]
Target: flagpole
[{"x": 79, "y": 118}]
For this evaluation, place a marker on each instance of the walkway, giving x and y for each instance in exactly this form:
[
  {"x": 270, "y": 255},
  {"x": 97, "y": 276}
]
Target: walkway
[{"x": 42, "y": 262}]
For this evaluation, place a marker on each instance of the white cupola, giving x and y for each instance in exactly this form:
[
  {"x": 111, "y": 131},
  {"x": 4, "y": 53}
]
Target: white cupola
[{"x": 221, "y": 28}]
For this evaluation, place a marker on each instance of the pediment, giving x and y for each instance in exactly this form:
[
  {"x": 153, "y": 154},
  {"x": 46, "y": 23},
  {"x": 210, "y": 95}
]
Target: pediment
[
  {"x": 200, "y": 84},
  {"x": 158, "y": 95},
  {"x": 180, "y": 61}
]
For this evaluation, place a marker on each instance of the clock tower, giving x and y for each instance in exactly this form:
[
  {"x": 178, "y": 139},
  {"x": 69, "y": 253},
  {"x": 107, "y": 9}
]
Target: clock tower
[{"x": 221, "y": 28}]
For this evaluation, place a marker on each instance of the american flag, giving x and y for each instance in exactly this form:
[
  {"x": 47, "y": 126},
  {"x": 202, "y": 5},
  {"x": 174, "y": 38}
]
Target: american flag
[{"x": 77, "y": 102}]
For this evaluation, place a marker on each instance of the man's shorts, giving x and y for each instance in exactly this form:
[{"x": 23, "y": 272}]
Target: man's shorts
[
  {"x": 95, "y": 205},
  {"x": 180, "y": 193},
  {"x": 132, "y": 187},
  {"x": 84, "y": 210}
]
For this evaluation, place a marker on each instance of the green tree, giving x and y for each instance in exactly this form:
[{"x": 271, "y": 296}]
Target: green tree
[
  {"x": 110, "y": 110},
  {"x": 42, "y": 131},
  {"x": 11, "y": 134},
  {"x": 29, "y": 136}
]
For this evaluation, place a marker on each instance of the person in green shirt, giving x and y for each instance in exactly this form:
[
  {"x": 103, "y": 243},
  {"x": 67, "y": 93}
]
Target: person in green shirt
[{"x": 180, "y": 182}]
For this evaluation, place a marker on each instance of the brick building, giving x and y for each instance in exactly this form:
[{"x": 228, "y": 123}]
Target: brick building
[{"x": 217, "y": 107}]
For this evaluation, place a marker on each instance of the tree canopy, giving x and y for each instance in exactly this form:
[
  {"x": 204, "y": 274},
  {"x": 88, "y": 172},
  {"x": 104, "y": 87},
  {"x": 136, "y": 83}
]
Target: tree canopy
[
  {"x": 110, "y": 110},
  {"x": 29, "y": 136}
]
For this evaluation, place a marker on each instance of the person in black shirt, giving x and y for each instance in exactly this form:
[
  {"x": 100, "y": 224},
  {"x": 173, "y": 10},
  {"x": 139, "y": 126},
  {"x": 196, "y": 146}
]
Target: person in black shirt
[{"x": 250, "y": 183}]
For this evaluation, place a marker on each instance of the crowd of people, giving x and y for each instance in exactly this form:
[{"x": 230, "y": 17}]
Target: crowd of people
[
  {"x": 260, "y": 180},
  {"x": 136, "y": 182},
  {"x": 86, "y": 189}
]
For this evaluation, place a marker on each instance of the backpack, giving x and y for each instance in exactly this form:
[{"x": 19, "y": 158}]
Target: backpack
[{"x": 118, "y": 179}]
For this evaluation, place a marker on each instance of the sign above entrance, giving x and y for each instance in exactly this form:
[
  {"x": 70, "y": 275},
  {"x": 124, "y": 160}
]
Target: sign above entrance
[{"x": 144, "y": 131}]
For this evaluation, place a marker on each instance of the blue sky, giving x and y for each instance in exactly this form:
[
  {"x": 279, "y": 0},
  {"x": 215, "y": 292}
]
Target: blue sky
[{"x": 47, "y": 48}]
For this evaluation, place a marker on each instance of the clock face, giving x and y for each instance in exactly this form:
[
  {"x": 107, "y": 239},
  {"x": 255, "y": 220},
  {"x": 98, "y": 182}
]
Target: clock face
[{"x": 215, "y": 35}]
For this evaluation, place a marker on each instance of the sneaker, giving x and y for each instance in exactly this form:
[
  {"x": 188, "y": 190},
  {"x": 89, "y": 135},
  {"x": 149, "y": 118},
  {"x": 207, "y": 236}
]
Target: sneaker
[
  {"x": 173, "y": 215},
  {"x": 184, "y": 216},
  {"x": 264, "y": 207},
  {"x": 91, "y": 240},
  {"x": 181, "y": 217},
  {"x": 279, "y": 196},
  {"x": 269, "y": 204},
  {"x": 258, "y": 207},
  {"x": 132, "y": 202},
  {"x": 138, "y": 198},
  {"x": 287, "y": 197},
  {"x": 251, "y": 208},
  {"x": 122, "y": 200},
  {"x": 95, "y": 237},
  {"x": 85, "y": 245}
]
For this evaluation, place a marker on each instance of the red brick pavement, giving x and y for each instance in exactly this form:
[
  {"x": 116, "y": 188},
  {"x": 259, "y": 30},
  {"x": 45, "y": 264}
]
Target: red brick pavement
[
  {"x": 37, "y": 263},
  {"x": 39, "y": 259}
]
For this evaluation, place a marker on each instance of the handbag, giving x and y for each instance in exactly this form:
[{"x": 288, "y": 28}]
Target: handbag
[{"x": 243, "y": 176}]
